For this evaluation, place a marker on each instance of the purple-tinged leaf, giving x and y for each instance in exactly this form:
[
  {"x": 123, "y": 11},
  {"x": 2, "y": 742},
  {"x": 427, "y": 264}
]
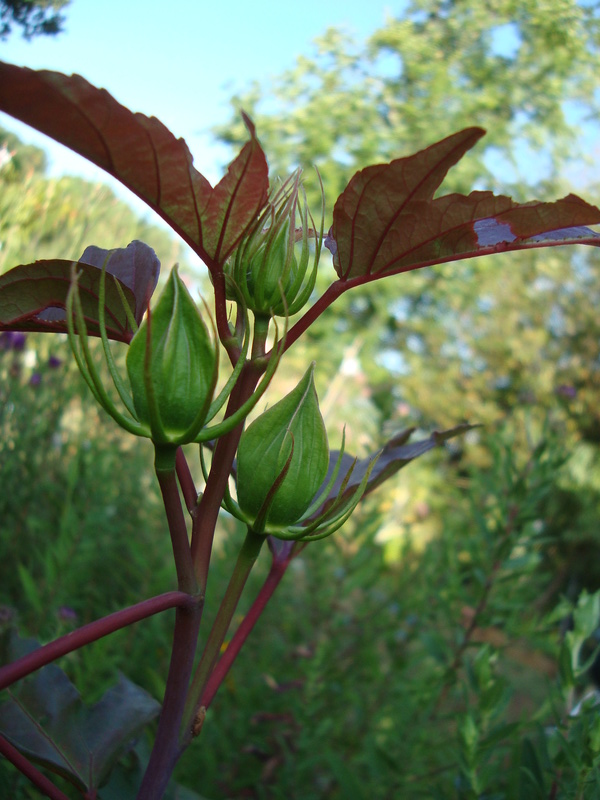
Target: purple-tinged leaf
[
  {"x": 137, "y": 266},
  {"x": 33, "y": 298},
  {"x": 45, "y": 719},
  {"x": 144, "y": 155},
  {"x": 387, "y": 221},
  {"x": 394, "y": 455}
]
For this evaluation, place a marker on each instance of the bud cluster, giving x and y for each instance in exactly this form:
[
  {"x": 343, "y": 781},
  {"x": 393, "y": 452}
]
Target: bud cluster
[{"x": 274, "y": 269}]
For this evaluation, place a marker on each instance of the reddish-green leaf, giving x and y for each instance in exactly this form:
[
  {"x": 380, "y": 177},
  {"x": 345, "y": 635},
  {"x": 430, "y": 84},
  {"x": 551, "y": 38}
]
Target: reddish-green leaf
[
  {"x": 387, "y": 220},
  {"x": 33, "y": 298},
  {"x": 144, "y": 155},
  {"x": 236, "y": 200}
]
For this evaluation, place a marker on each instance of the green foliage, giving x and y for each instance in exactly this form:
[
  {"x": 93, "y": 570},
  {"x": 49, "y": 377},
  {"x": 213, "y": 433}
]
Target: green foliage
[
  {"x": 417, "y": 676},
  {"x": 18, "y": 159},
  {"x": 74, "y": 505},
  {"x": 429, "y": 668},
  {"x": 504, "y": 66}
]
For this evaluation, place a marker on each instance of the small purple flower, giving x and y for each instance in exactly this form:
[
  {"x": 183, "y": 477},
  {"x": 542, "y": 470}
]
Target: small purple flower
[
  {"x": 567, "y": 391},
  {"x": 35, "y": 379},
  {"x": 66, "y": 614},
  {"x": 12, "y": 340},
  {"x": 54, "y": 362}
]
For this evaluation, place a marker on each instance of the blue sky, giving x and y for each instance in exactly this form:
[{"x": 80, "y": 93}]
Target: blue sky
[{"x": 182, "y": 60}]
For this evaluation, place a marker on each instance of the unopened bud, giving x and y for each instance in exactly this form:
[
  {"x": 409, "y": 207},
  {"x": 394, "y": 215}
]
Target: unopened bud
[
  {"x": 172, "y": 367},
  {"x": 286, "y": 445},
  {"x": 273, "y": 268}
]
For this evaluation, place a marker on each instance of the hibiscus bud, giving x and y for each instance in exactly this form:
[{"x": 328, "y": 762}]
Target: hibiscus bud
[
  {"x": 172, "y": 366},
  {"x": 273, "y": 268},
  {"x": 287, "y": 444}
]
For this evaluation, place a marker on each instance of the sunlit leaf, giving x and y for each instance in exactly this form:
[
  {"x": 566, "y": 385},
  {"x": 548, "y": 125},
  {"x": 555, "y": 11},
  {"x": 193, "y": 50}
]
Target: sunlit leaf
[
  {"x": 387, "y": 219},
  {"x": 144, "y": 155},
  {"x": 236, "y": 200}
]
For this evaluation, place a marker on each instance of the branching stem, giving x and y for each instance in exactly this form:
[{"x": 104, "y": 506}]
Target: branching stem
[
  {"x": 91, "y": 633},
  {"x": 217, "y": 676},
  {"x": 245, "y": 561},
  {"x": 207, "y": 514}
]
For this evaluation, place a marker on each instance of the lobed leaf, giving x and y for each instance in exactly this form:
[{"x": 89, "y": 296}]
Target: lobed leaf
[
  {"x": 46, "y": 720},
  {"x": 144, "y": 155},
  {"x": 387, "y": 219}
]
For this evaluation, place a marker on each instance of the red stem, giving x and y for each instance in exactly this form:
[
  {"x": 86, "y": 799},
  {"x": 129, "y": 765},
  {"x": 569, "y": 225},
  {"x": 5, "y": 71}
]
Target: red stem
[
  {"x": 246, "y": 559},
  {"x": 332, "y": 293},
  {"x": 205, "y": 520},
  {"x": 186, "y": 482},
  {"x": 343, "y": 284},
  {"x": 167, "y": 747},
  {"x": 90, "y": 633},
  {"x": 238, "y": 639},
  {"x": 186, "y": 579},
  {"x": 32, "y": 773}
]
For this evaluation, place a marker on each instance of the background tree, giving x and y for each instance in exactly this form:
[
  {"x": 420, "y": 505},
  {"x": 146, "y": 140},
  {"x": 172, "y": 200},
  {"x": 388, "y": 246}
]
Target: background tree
[
  {"x": 34, "y": 17},
  {"x": 42, "y": 216},
  {"x": 468, "y": 341}
]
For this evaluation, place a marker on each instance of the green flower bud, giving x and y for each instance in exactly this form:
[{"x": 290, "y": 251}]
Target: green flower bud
[
  {"x": 272, "y": 267},
  {"x": 273, "y": 263},
  {"x": 172, "y": 366},
  {"x": 287, "y": 445}
]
